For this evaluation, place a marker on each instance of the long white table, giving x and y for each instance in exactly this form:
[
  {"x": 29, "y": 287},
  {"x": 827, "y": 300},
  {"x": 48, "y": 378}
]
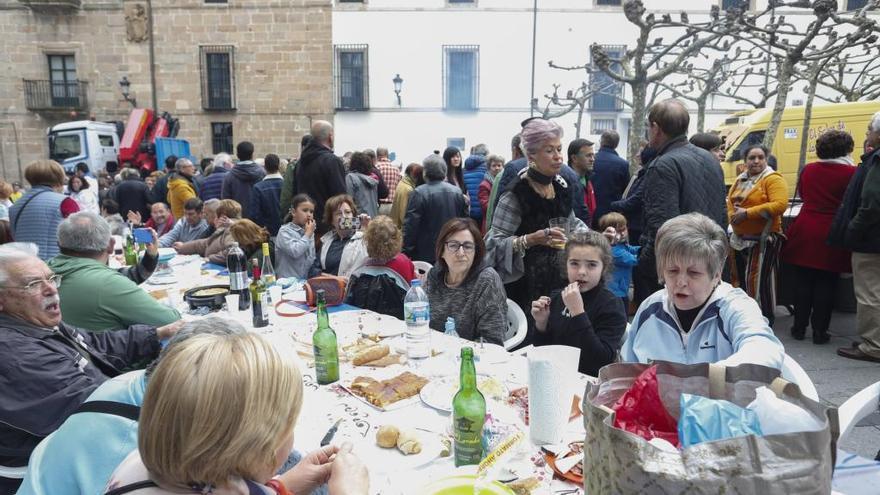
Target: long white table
[{"x": 391, "y": 472}]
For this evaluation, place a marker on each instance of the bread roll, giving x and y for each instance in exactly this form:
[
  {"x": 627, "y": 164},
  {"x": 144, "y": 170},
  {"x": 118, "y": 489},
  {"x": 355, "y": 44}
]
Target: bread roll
[
  {"x": 387, "y": 436},
  {"x": 370, "y": 354},
  {"x": 408, "y": 442}
]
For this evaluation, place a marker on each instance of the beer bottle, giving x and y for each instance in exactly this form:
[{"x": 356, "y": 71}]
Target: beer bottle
[
  {"x": 131, "y": 256},
  {"x": 468, "y": 413},
  {"x": 258, "y": 299},
  {"x": 324, "y": 345}
]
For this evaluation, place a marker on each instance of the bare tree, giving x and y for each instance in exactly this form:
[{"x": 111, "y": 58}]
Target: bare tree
[
  {"x": 576, "y": 100},
  {"x": 700, "y": 84},
  {"x": 794, "y": 46},
  {"x": 853, "y": 75}
]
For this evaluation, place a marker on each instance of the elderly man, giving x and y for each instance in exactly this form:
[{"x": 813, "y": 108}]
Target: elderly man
[
  {"x": 161, "y": 220},
  {"x": 181, "y": 187},
  {"x": 189, "y": 228},
  {"x": 429, "y": 207},
  {"x": 681, "y": 179},
  {"x": 319, "y": 173},
  {"x": 75, "y": 460},
  {"x": 95, "y": 296},
  {"x": 48, "y": 367},
  {"x": 213, "y": 184}
]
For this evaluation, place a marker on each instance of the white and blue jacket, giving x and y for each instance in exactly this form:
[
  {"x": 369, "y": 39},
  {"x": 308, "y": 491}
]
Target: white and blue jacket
[{"x": 729, "y": 330}]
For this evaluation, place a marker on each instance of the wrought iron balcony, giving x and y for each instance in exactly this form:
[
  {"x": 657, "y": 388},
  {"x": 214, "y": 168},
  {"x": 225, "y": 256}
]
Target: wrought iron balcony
[
  {"x": 56, "y": 95},
  {"x": 52, "y": 6}
]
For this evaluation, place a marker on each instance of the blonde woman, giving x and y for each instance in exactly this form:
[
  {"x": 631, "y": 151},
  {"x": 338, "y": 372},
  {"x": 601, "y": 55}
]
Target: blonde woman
[{"x": 227, "y": 428}]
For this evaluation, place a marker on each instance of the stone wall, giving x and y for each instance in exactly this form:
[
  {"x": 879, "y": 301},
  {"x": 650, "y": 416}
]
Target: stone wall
[{"x": 282, "y": 68}]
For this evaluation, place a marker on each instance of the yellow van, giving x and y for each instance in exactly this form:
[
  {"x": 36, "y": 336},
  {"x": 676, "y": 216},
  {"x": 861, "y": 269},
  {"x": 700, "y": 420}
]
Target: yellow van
[{"x": 742, "y": 129}]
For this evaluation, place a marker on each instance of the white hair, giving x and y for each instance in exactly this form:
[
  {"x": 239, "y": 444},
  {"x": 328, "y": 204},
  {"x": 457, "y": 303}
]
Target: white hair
[
  {"x": 11, "y": 254},
  {"x": 691, "y": 237},
  {"x": 874, "y": 125},
  {"x": 84, "y": 232},
  {"x": 222, "y": 159}
]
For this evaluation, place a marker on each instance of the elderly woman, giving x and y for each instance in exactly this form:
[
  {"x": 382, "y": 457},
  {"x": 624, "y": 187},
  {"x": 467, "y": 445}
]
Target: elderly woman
[
  {"x": 463, "y": 286},
  {"x": 215, "y": 245},
  {"x": 242, "y": 438},
  {"x": 35, "y": 216},
  {"x": 343, "y": 248},
  {"x": 755, "y": 204},
  {"x": 384, "y": 240},
  {"x": 520, "y": 241},
  {"x": 817, "y": 266},
  {"x": 697, "y": 318}
]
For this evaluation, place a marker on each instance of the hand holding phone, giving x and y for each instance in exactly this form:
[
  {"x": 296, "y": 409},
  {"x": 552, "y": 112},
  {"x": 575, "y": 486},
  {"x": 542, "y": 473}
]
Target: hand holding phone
[{"x": 143, "y": 236}]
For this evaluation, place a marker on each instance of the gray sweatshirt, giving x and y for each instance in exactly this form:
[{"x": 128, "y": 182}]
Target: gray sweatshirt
[{"x": 478, "y": 305}]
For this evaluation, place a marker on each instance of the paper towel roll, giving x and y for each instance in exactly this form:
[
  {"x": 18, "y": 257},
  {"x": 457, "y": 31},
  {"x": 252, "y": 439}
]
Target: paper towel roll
[{"x": 552, "y": 369}]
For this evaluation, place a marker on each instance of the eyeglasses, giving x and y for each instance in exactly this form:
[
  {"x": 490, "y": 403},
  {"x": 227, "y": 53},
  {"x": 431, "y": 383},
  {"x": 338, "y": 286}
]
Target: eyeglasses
[
  {"x": 35, "y": 286},
  {"x": 454, "y": 246}
]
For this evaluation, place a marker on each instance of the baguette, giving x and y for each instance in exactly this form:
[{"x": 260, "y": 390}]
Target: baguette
[{"x": 370, "y": 354}]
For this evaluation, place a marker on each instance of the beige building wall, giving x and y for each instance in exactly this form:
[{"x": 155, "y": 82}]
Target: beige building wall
[{"x": 282, "y": 68}]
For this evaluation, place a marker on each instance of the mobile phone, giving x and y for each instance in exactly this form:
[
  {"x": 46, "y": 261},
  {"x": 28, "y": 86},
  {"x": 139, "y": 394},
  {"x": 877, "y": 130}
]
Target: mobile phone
[{"x": 143, "y": 236}]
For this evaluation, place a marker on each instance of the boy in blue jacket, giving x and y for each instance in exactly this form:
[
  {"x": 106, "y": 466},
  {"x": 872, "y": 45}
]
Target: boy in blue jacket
[{"x": 613, "y": 226}]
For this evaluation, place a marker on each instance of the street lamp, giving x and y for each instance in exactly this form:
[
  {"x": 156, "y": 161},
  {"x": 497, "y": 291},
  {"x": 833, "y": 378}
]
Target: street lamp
[
  {"x": 125, "y": 87},
  {"x": 398, "y": 85}
]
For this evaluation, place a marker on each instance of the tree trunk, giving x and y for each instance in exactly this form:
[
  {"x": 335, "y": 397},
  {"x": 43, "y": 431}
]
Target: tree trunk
[
  {"x": 785, "y": 75},
  {"x": 808, "y": 114},
  {"x": 639, "y": 117},
  {"x": 701, "y": 114},
  {"x": 580, "y": 120}
]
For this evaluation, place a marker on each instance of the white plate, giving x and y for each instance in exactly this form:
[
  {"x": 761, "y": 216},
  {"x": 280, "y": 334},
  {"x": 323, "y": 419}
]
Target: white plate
[
  {"x": 386, "y": 460},
  {"x": 439, "y": 392}
]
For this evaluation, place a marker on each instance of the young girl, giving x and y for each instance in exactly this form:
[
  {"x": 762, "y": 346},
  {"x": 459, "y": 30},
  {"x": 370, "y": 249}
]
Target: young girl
[
  {"x": 295, "y": 244},
  {"x": 584, "y": 314}
]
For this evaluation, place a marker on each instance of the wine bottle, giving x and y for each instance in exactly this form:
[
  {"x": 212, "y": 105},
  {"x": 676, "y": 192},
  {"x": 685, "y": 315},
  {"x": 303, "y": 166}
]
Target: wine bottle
[
  {"x": 236, "y": 264},
  {"x": 258, "y": 299}
]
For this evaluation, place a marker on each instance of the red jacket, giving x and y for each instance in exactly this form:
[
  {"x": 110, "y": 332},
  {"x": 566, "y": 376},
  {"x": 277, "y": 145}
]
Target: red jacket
[
  {"x": 822, "y": 186},
  {"x": 404, "y": 266}
]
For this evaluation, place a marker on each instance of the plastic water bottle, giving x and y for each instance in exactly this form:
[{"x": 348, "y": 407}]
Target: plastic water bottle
[
  {"x": 417, "y": 313},
  {"x": 449, "y": 328}
]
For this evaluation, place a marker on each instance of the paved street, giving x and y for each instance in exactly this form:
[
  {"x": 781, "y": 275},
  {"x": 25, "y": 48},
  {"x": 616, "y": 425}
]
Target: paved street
[{"x": 836, "y": 378}]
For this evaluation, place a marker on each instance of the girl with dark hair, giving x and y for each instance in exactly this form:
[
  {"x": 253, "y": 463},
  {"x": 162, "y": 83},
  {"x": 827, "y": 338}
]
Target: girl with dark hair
[
  {"x": 454, "y": 173},
  {"x": 755, "y": 204},
  {"x": 460, "y": 285},
  {"x": 295, "y": 244},
  {"x": 821, "y": 185},
  {"x": 584, "y": 313}
]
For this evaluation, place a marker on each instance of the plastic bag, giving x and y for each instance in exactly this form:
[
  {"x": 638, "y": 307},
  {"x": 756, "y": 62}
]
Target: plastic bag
[
  {"x": 778, "y": 416},
  {"x": 703, "y": 420},
  {"x": 640, "y": 410}
]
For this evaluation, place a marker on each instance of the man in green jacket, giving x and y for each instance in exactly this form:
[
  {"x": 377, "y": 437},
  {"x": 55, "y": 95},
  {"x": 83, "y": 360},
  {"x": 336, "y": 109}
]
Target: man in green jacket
[{"x": 94, "y": 296}]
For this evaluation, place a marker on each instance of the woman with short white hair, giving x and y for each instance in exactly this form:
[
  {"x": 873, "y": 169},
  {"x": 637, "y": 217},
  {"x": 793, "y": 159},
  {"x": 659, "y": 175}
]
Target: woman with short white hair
[
  {"x": 227, "y": 427},
  {"x": 697, "y": 318}
]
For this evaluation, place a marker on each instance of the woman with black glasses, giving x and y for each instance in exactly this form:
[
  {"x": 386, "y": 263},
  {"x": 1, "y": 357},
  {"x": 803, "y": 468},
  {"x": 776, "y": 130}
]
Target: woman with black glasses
[{"x": 461, "y": 286}]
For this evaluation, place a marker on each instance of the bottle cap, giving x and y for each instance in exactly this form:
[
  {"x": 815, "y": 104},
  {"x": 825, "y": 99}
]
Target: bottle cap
[
  {"x": 415, "y": 282},
  {"x": 450, "y": 323}
]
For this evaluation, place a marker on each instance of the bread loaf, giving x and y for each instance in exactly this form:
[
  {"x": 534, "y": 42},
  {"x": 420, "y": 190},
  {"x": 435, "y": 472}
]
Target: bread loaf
[
  {"x": 387, "y": 436},
  {"x": 370, "y": 354}
]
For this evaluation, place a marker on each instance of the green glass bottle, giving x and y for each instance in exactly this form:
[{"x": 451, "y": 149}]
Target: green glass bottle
[
  {"x": 131, "y": 255},
  {"x": 468, "y": 413},
  {"x": 324, "y": 345},
  {"x": 258, "y": 299}
]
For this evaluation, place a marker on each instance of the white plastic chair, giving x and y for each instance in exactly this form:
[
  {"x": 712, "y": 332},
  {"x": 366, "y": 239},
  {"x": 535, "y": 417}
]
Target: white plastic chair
[
  {"x": 793, "y": 372},
  {"x": 422, "y": 269},
  {"x": 517, "y": 326},
  {"x": 856, "y": 408}
]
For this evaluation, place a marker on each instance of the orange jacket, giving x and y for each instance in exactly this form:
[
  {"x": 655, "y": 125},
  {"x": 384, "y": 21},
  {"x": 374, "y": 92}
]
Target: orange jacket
[{"x": 769, "y": 197}]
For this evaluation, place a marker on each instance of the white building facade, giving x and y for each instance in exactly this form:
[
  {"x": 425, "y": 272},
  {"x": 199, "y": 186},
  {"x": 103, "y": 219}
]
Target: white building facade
[{"x": 466, "y": 69}]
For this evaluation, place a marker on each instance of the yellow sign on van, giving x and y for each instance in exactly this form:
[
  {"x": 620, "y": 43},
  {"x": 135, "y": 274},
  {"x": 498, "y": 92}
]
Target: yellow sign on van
[{"x": 749, "y": 127}]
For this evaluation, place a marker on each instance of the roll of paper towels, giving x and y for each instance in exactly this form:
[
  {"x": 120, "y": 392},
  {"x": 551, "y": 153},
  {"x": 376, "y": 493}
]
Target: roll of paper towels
[{"x": 552, "y": 371}]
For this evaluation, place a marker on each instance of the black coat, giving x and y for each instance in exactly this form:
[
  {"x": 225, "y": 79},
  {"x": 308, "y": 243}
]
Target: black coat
[
  {"x": 598, "y": 332},
  {"x": 610, "y": 177},
  {"x": 682, "y": 179},
  {"x": 320, "y": 174},
  {"x": 429, "y": 207},
  {"x": 133, "y": 195},
  {"x": 863, "y": 234},
  {"x": 633, "y": 208}
]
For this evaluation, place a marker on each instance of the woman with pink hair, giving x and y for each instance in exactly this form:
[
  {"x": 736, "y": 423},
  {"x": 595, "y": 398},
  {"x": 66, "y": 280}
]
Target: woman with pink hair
[{"x": 521, "y": 244}]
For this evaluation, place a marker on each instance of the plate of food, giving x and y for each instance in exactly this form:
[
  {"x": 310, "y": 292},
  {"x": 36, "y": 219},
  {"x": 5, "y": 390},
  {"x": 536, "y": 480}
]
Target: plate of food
[
  {"x": 439, "y": 392},
  {"x": 386, "y": 395},
  {"x": 395, "y": 448},
  {"x": 569, "y": 464}
]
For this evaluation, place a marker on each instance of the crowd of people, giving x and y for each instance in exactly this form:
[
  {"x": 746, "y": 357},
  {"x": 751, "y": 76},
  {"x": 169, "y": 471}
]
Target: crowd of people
[{"x": 580, "y": 247}]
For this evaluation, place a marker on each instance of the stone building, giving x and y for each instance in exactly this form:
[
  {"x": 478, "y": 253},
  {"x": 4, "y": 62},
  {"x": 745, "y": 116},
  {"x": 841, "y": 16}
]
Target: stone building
[{"x": 259, "y": 70}]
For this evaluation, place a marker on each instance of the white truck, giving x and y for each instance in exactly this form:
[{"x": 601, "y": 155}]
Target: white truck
[{"x": 84, "y": 141}]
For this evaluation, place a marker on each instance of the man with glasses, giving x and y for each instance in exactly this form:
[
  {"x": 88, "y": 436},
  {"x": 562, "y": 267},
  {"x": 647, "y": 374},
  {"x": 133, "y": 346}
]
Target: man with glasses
[{"x": 48, "y": 367}]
